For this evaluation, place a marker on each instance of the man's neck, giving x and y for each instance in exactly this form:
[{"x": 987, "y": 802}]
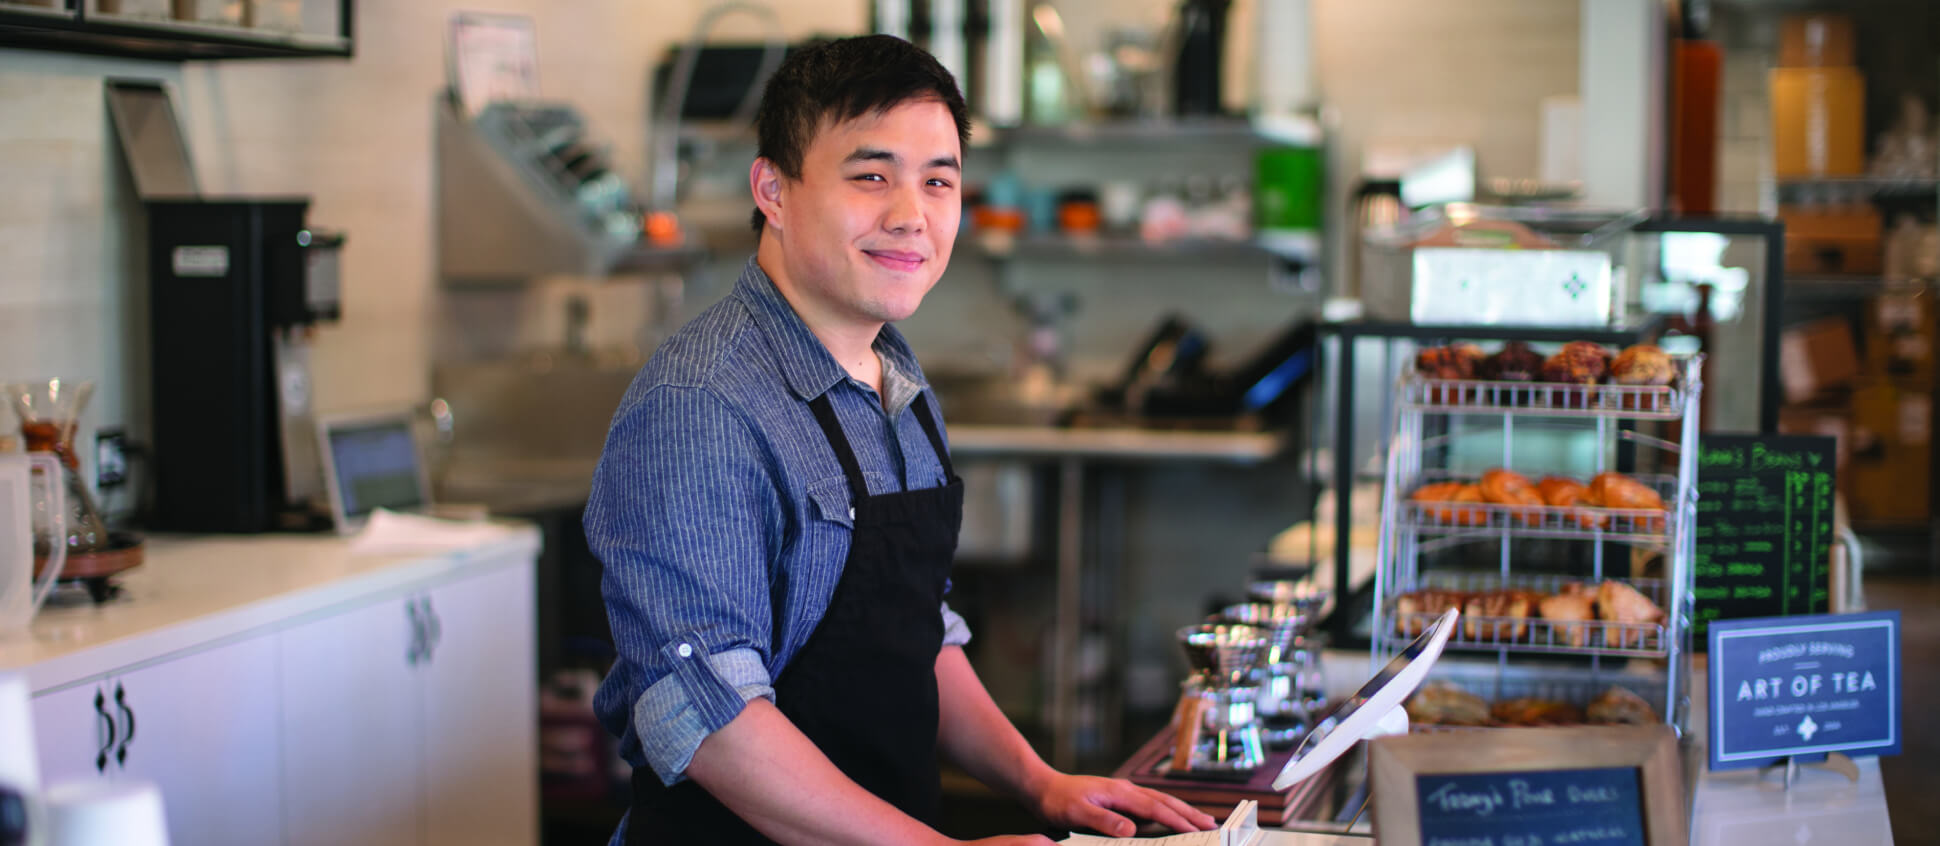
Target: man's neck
[{"x": 852, "y": 345}]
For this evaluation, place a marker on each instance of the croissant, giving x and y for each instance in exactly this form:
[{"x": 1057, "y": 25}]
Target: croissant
[{"x": 1559, "y": 492}]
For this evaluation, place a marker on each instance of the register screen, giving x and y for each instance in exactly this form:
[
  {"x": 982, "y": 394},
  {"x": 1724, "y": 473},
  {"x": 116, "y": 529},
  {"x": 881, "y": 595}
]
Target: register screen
[{"x": 377, "y": 467}]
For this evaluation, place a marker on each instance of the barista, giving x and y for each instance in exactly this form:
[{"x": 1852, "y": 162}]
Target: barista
[{"x": 776, "y": 510}]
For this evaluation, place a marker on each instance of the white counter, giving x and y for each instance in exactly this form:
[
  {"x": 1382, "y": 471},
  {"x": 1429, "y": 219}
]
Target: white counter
[
  {"x": 196, "y": 590},
  {"x": 280, "y": 689}
]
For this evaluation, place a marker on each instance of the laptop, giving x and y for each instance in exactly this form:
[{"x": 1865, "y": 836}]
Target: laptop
[{"x": 371, "y": 460}]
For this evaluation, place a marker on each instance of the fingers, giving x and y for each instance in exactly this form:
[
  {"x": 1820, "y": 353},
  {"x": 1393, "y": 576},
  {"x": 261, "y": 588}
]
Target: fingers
[
  {"x": 1166, "y": 810},
  {"x": 1100, "y": 818},
  {"x": 1199, "y": 820}
]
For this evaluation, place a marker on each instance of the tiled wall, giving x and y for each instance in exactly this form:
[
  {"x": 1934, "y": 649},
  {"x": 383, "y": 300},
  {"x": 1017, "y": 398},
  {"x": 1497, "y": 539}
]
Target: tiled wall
[{"x": 355, "y": 136}]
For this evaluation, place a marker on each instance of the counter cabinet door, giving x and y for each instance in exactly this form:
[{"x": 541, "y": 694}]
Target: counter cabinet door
[
  {"x": 75, "y": 735},
  {"x": 481, "y": 711},
  {"x": 202, "y": 727},
  {"x": 350, "y": 729}
]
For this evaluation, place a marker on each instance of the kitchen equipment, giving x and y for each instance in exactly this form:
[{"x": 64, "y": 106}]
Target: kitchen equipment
[
  {"x": 92, "y": 813},
  {"x": 1292, "y": 688},
  {"x": 1217, "y": 719},
  {"x": 20, "y": 595},
  {"x": 236, "y": 286}
]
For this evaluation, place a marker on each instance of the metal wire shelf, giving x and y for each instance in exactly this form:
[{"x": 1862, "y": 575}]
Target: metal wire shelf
[
  {"x": 1528, "y": 631},
  {"x": 1552, "y": 399},
  {"x": 1571, "y": 688},
  {"x": 1640, "y": 526}
]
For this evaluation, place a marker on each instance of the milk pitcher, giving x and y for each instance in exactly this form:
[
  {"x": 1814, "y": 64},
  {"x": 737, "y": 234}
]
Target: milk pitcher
[{"x": 20, "y": 593}]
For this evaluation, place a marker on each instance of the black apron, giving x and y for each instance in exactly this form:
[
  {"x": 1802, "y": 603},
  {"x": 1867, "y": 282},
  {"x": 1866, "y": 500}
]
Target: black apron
[{"x": 863, "y": 689}]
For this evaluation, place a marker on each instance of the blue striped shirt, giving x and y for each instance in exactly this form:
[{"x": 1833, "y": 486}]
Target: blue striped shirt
[{"x": 721, "y": 516}]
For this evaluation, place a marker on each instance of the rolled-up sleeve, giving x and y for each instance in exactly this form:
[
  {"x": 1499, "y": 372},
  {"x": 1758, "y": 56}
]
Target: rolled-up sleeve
[
  {"x": 956, "y": 632},
  {"x": 682, "y": 515}
]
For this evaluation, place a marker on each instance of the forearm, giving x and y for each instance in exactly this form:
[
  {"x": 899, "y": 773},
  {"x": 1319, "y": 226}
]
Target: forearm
[
  {"x": 975, "y": 734},
  {"x": 768, "y": 773}
]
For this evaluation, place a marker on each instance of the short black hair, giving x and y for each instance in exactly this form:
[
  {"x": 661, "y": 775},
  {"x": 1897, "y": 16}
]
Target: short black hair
[{"x": 834, "y": 81}]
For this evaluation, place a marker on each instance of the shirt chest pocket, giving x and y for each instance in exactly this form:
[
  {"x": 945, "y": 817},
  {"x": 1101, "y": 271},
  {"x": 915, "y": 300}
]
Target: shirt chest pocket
[{"x": 831, "y": 502}]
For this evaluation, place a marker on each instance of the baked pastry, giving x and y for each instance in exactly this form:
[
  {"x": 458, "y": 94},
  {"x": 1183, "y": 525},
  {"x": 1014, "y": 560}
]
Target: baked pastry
[
  {"x": 1643, "y": 364},
  {"x": 1455, "y": 361},
  {"x": 1536, "y": 712},
  {"x": 1451, "y": 492},
  {"x": 1558, "y": 492},
  {"x": 1442, "y": 703},
  {"x": 1578, "y": 363},
  {"x": 1515, "y": 362},
  {"x": 1507, "y": 487},
  {"x": 1565, "y": 612},
  {"x": 1509, "y": 610},
  {"x": 1617, "y": 602},
  {"x": 1414, "y": 611},
  {"x": 1620, "y": 706},
  {"x": 1615, "y": 490}
]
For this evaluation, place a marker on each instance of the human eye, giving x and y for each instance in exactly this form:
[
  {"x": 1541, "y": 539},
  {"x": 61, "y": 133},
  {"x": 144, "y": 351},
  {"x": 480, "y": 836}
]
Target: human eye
[
  {"x": 868, "y": 177},
  {"x": 940, "y": 182}
]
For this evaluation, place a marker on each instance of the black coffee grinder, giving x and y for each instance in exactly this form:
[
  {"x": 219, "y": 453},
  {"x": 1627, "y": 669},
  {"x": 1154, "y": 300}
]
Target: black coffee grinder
[{"x": 236, "y": 285}]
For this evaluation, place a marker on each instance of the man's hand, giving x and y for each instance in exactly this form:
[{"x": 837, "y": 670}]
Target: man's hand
[{"x": 1095, "y": 803}]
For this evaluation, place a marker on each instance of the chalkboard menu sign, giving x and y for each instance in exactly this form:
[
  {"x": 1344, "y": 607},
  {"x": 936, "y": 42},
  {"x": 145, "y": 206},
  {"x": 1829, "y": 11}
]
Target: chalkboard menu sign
[
  {"x": 1764, "y": 526},
  {"x": 1578, "y": 786},
  {"x": 1601, "y": 806}
]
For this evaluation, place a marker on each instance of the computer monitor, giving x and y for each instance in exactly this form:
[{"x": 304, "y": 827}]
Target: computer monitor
[{"x": 371, "y": 461}]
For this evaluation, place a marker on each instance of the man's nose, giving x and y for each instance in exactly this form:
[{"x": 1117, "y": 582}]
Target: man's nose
[{"x": 905, "y": 212}]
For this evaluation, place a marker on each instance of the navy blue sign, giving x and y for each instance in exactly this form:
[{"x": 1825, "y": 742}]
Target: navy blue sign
[
  {"x": 1600, "y": 807},
  {"x": 1804, "y": 686}
]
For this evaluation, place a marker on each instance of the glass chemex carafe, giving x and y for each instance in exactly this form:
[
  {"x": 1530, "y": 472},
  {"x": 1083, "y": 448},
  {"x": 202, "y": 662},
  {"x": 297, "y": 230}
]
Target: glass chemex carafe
[{"x": 50, "y": 411}]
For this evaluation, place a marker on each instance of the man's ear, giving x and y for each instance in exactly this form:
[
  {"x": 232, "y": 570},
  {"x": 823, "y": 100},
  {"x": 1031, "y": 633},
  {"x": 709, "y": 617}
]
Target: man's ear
[{"x": 764, "y": 181}]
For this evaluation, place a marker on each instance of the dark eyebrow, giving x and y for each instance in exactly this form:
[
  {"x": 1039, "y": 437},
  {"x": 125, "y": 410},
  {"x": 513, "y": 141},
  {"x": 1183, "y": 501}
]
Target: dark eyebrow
[{"x": 873, "y": 154}]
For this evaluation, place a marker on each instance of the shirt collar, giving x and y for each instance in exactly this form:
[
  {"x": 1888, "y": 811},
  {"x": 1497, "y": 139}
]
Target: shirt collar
[{"x": 806, "y": 364}]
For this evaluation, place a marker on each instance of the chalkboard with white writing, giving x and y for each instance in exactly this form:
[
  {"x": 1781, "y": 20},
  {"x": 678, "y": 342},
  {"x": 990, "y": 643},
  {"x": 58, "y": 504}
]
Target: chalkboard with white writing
[
  {"x": 1593, "y": 807},
  {"x": 1764, "y": 526}
]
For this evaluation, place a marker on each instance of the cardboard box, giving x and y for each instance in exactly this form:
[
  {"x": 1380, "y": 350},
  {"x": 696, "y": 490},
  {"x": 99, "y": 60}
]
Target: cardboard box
[
  {"x": 1817, "y": 357},
  {"x": 1833, "y": 421},
  {"x": 1899, "y": 340},
  {"x": 1892, "y": 454}
]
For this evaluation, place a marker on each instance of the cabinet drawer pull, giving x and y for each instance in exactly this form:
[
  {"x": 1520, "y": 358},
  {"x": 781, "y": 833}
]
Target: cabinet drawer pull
[
  {"x": 107, "y": 731},
  {"x": 128, "y": 720},
  {"x": 434, "y": 628},
  {"x": 417, "y": 651}
]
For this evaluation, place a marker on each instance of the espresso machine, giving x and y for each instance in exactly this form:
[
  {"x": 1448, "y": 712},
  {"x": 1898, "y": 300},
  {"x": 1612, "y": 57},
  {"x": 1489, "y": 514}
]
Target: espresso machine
[
  {"x": 237, "y": 286},
  {"x": 1217, "y": 721}
]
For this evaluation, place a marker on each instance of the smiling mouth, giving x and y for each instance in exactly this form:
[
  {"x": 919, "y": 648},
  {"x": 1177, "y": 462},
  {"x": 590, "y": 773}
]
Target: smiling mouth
[{"x": 895, "y": 259}]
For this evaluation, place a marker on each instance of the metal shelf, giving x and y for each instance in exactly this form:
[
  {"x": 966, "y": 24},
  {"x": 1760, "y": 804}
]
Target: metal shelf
[
  {"x": 999, "y": 246},
  {"x": 1871, "y": 185},
  {"x": 1493, "y": 521},
  {"x": 1532, "y": 633},
  {"x": 1550, "y": 399},
  {"x": 79, "y": 31}
]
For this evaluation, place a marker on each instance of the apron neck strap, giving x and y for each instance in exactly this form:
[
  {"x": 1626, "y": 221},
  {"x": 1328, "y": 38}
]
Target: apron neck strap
[{"x": 832, "y": 430}]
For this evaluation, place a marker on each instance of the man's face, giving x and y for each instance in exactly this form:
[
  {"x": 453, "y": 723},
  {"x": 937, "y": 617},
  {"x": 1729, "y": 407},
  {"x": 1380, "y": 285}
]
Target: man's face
[{"x": 867, "y": 230}]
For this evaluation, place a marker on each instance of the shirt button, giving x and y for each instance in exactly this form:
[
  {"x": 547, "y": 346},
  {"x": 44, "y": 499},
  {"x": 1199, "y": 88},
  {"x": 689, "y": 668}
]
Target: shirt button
[
  {"x": 685, "y": 651},
  {"x": 852, "y": 512}
]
